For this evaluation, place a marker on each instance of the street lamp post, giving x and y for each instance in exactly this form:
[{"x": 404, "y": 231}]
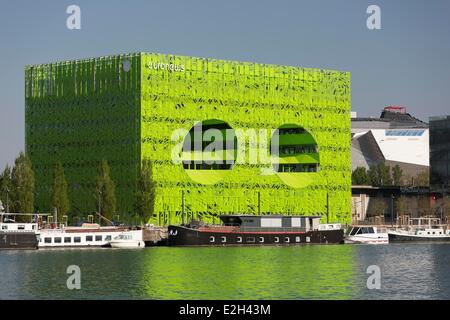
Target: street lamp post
[
  {"x": 99, "y": 203},
  {"x": 392, "y": 209}
]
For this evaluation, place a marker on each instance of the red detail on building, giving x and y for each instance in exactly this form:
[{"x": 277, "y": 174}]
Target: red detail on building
[{"x": 398, "y": 109}]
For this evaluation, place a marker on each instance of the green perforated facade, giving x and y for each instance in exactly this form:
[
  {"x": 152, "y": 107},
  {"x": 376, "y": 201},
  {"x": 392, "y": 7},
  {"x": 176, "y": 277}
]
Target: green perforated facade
[{"x": 126, "y": 108}]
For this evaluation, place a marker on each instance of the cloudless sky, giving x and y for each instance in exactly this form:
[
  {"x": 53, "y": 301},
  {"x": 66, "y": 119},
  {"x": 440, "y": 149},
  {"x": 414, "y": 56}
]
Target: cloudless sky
[{"x": 406, "y": 63}]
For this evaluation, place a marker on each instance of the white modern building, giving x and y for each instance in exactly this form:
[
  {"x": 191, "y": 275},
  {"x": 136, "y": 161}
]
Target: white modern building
[{"x": 396, "y": 138}]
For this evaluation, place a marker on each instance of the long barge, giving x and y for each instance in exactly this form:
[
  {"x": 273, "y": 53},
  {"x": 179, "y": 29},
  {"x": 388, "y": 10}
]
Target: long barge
[
  {"x": 17, "y": 235},
  {"x": 257, "y": 230}
]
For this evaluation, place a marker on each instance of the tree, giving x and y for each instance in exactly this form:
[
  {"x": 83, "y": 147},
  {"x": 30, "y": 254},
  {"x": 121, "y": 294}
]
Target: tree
[
  {"x": 401, "y": 206},
  {"x": 105, "y": 192},
  {"x": 378, "y": 206},
  {"x": 397, "y": 175},
  {"x": 384, "y": 172},
  {"x": 22, "y": 182},
  {"x": 422, "y": 179},
  {"x": 6, "y": 188},
  {"x": 374, "y": 176},
  {"x": 380, "y": 174},
  {"x": 146, "y": 191},
  {"x": 60, "y": 197},
  {"x": 360, "y": 177},
  {"x": 446, "y": 207}
]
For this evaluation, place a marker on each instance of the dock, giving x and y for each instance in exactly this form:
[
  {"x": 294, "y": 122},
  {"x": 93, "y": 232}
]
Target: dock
[{"x": 155, "y": 236}]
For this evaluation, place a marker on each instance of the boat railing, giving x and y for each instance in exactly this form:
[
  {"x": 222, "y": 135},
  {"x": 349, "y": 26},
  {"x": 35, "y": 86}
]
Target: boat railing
[{"x": 274, "y": 229}]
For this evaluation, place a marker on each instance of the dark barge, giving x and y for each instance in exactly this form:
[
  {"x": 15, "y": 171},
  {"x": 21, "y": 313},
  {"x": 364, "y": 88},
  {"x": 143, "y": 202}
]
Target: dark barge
[
  {"x": 16, "y": 235},
  {"x": 257, "y": 230}
]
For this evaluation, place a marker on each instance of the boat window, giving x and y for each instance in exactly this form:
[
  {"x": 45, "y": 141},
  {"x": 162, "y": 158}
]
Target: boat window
[
  {"x": 365, "y": 230},
  {"x": 58, "y": 240},
  {"x": 297, "y": 239},
  {"x": 250, "y": 239},
  {"x": 224, "y": 239},
  {"x": 287, "y": 240},
  {"x": 212, "y": 239},
  {"x": 261, "y": 239},
  {"x": 48, "y": 240},
  {"x": 108, "y": 238},
  {"x": 98, "y": 238},
  {"x": 33, "y": 227},
  {"x": 352, "y": 232},
  {"x": 239, "y": 240},
  {"x": 4, "y": 227},
  {"x": 358, "y": 231},
  {"x": 371, "y": 230},
  {"x": 89, "y": 238},
  {"x": 67, "y": 239},
  {"x": 77, "y": 239},
  {"x": 21, "y": 227},
  {"x": 277, "y": 239}
]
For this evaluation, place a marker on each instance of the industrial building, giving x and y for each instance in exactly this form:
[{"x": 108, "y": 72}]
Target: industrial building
[
  {"x": 395, "y": 138},
  {"x": 131, "y": 107},
  {"x": 440, "y": 153}
]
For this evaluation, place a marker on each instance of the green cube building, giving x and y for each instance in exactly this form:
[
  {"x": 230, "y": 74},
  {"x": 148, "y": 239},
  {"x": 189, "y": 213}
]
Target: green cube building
[{"x": 131, "y": 107}]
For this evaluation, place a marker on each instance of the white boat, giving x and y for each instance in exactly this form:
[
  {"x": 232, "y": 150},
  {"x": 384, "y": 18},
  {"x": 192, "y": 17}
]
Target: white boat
[
  {"x": 421, "y": 229},
  {"x": 366, "y": 235},
  {"x": 129, "y": 239},
  {"x": 420, "y": 234},
  {"x": 88, "y": 235}
]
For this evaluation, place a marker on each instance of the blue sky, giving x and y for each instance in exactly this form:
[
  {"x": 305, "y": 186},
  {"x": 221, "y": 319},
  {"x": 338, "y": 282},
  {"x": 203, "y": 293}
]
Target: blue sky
[{"x": 407, "y": 62}]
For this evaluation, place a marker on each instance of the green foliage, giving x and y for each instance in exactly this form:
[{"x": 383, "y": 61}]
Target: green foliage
[
  {"x": 422, "y": 179},
  {"x": 22, "y": 180},
  {"x": 401, "y": 205},
  {"x": 360, "y": 177},
  {"x": 377, "y": 206},
  {"x": 446, "y": 206},
  {"x": 397, "y": 175},
  {"x": 6, "y": 188},
  {"x": 60, "y": 197},
  {"x": 105, "y": 192},
  {"x": 145, "y": 201},
  {"x": 380, "y": 175}
]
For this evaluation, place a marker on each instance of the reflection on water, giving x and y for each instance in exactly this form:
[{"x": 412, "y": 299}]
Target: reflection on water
[{"x": 304, "y": 272}]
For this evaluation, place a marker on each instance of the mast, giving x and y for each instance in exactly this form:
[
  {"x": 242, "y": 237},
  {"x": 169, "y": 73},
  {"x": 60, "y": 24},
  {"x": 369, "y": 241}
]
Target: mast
[
  {"x": 259, "y": 203},
  {"x": 182, "y": 207}
]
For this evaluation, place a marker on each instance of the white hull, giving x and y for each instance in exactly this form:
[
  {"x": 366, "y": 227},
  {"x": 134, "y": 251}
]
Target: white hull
[
  {"x": 380, "y": 238},
  {"x": 127, "y": 244},
  {"x": 366, "y": 235},
  {"x": 73, "y": 237}
]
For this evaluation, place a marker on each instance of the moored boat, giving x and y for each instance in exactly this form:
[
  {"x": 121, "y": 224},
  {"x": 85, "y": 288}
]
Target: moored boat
[
  {"x": 366, "y": 235},
  {"x": 256, "y": 230},
  {"x": 16, "y": 235},
  {"x": 128, "y": 240},
  {"x": 422, "y": 234},
  {"x": 423, "y": 229},
  {"x": 86, "y": 235}
]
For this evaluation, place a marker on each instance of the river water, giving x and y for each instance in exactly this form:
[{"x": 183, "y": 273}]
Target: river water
[{"x": 408, "y": 271}]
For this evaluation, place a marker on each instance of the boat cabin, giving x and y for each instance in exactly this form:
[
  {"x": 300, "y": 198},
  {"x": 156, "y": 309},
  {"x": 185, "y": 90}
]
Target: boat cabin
[
  {"x": 8, "y": 223},
  {"x": 272, "y": 222}
]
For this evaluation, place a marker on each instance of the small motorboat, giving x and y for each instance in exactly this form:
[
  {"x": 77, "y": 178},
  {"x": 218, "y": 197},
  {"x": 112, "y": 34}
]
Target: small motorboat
[
  {"x": 129, "y": 239},
  {"x": 366, "y": 235}
]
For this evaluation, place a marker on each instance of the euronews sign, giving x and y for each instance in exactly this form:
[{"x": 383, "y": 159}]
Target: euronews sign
[{"x": 165, "y": 66}]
